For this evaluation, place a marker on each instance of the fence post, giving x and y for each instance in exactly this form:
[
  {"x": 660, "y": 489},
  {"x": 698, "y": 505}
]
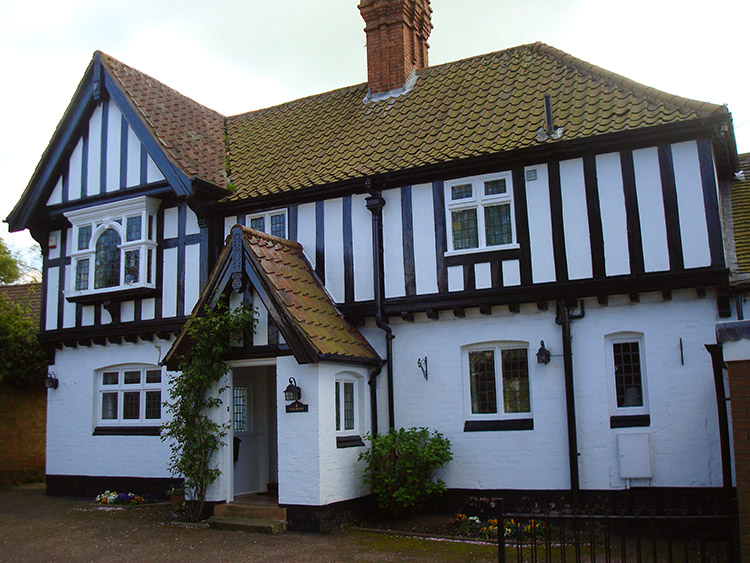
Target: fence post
[{"x": 500, "y": 531}]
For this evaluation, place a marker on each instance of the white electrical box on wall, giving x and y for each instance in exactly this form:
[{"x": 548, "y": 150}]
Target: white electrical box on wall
[{"x": 634, "y": 450}]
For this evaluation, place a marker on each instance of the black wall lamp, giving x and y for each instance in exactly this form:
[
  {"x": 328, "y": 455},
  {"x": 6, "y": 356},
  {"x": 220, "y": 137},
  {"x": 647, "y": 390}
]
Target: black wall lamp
[
  {"x": 543, "y": 355},
  {"x": 294, "y": 393},
  {"x": 51, "y": 382}
]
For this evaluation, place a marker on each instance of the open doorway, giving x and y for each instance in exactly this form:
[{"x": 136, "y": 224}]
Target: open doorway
[{"x": 255, "y": 450}]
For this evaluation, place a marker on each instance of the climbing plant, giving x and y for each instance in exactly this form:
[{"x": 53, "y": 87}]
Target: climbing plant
[{"x": 193, "y": 434}]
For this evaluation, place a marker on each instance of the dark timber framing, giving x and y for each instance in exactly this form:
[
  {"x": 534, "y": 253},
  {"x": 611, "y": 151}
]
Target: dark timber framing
[
  {"x": 711, "y": 202},
  {"x": 522, "y": 229},
  {"x": 320, "y": 244},
  {"x": 596, "y": 235},
  {"x": 407, "y": 231},
  {"x": 438, "y": 198},
  {"x": 348, "y": 250},
  {"x": 633, "y": 217},
  {"x": 556, "y": 215},
  {"x": 671, "y": 210}
]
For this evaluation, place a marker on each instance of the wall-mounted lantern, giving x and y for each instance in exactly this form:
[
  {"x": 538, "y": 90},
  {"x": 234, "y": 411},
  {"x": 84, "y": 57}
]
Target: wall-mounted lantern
[
  {"x": 294, "y": 393},
  {"x": 51, "y": 382},
  {"x": 543, "y": 355}
]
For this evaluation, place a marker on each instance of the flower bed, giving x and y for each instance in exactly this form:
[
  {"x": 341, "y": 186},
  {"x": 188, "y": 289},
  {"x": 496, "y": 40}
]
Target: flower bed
[
  {"x": 123, "y": 499},
  {"x": 474, "y": 527}
]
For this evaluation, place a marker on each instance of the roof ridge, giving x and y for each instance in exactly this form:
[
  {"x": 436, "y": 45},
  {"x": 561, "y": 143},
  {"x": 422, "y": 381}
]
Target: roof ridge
[
  {"x": 271, "y": 238},
  {"x": 296, "y": 101},
  {"x": 619, "y": 81},
  {"x": 109, "y": 58}
]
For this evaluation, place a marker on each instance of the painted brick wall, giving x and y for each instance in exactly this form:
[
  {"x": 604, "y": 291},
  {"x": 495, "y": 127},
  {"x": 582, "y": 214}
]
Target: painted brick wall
[
  {"x": 739, "y": 390},
  {"x": 23, "y": 419}
]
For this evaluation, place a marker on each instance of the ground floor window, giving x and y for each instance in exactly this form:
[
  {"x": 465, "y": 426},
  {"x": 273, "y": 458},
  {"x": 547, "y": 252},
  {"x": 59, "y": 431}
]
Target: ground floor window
[
  {"x": 348, "y": 410},
  {"x": 627, "y": 373},
  {"x": 129, "y": 395},
  {"x": 499, "y": 380}
]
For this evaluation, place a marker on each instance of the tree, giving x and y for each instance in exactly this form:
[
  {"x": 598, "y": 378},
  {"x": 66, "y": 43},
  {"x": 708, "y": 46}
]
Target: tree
[
  {"x": 194, "y": 393},
  {"x": 9, "y": 268},
  {"x": 23, "y": 363}
]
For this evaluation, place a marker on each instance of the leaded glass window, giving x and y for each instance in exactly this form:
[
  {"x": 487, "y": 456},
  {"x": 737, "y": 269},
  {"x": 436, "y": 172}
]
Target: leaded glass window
[
  {"x": 258, "y": 223},
  {"x": 346, "y": 405},
  {"x": 133, "y": 228},
  {"x": 480, "y": 212},
  {"x": 107, "y": 264},
  {"x": 465, "y": 234},
  {"x": 497, "y": 225},
  {"x": 239, "y": 409},
  {"x": 82, "y": 274},
  {"x": 278, "y": 225},
  {"x": 482, "y": 379},
  {"x": 84, "y": 237},
  {"x": 132, "y": 266},
  {"x": 628, "y": 379},
  {"x": 499, "y": 381}
]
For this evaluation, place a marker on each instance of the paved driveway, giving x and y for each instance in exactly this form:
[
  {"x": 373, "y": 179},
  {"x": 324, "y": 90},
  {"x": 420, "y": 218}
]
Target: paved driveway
[{"x": 35, "y": 527}]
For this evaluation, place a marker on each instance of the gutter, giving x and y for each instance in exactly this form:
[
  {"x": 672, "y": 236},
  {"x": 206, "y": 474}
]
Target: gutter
[
  {"x": 375, "y": 204},
  {"x": 565, "y": 319}
]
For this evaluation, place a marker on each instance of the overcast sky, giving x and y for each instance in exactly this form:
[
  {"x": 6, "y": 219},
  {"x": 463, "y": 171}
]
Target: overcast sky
[{"x": 238, "y": 55}]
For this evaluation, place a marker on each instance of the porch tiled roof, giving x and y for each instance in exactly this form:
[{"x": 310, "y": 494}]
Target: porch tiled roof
[
  {"x": 304, "y": 300},
  {"x": 741, "y": 216}
]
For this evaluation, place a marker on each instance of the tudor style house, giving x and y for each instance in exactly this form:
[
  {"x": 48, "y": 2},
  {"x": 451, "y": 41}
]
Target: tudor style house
[{"x": 520, "y": 250}]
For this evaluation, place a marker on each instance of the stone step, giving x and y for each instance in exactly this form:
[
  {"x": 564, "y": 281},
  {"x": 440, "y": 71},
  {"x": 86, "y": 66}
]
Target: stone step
[
  {"x": 256, "y": 525},
  {"x": 253, "y": 511}
]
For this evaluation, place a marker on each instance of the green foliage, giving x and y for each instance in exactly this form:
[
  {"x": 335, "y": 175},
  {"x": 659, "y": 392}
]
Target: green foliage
[
  {"x": 9, "y": 268},
  {"x": 401, "y": 466},
  {"x": 23, "y": 363},
  {"x": 194, "y": 435}
]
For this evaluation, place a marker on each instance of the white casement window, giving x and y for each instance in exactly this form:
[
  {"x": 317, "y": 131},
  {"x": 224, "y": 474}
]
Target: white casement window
[
  {"x": 271, "y": 222},
  {"x": 130, "y": 395},
  {"x": 113, "y": 247},
  {"x": 480, "y": 213},
  {"x": 348, "y": 409},
  {"x": 498, "y": 380},
  {"x": 627, "y": 373}
]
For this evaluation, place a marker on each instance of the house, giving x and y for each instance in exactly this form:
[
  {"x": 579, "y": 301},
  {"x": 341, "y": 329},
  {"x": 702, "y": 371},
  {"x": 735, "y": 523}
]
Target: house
[
  {"x": 520, "y": 250},
  {"x": 23, "y": 410}
]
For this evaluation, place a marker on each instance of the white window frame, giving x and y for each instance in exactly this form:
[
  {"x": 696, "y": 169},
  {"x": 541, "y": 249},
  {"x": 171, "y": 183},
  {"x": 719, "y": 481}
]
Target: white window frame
[
  {"x": 104, "y": 217},
  {"x": 266, "y": 216},
  {"x": 479, "y": 201},
  {"x": 121, "y": 388},
  {"x": 497, "y": 348},
  {"x": 355, "y": 380},
  {"x": 610, "y": 341}
]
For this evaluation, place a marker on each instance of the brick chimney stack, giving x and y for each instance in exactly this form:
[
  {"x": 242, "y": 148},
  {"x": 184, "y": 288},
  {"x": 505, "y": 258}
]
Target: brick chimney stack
[{"x": 397, "y": 32}]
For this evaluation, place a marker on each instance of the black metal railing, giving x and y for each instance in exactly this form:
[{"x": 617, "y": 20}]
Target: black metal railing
[{"x": 622, "y": 537}]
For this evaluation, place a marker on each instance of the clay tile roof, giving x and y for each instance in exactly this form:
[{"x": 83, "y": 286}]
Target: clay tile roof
[
  {"x": 741, "y": 215},
  {"x": 304, "y": 300},
  {"x": 191, "y": 135},
  {"x": 27, "y": 295},
  {"x": 482, "y": 105}
]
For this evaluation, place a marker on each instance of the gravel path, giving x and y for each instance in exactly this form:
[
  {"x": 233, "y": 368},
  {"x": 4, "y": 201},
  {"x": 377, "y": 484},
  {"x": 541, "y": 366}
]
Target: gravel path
[{"x": 35, "y": 527}]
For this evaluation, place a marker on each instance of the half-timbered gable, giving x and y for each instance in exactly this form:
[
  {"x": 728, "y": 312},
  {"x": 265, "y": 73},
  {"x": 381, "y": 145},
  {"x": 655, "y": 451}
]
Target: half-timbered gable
[{"x": 530, "y": 248}]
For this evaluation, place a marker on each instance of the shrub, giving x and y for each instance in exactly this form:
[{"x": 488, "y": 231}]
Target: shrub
[{"x": 401, "y": 466}]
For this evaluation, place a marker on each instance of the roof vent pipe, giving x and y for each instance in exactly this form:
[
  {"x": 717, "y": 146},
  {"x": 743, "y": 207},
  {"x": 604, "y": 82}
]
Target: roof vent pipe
[{"x": 548, "y": 131}]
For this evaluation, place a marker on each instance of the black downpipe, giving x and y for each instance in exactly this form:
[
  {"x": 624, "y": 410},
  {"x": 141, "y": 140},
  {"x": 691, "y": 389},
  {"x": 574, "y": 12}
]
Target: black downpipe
[
  {"x": 375, "y": 204},
  {"x": 565, "y": 319},
  {"x": 717, "y": 362},
  {"x": 373, "y": 383}
]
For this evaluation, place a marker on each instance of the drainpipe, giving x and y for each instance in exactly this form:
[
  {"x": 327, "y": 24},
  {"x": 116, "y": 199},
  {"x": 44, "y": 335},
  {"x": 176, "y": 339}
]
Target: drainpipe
[
  {"x": 565, "y": 319},
  {"x": 375, "y": 204},
  {"x": 373, "y": 383}
]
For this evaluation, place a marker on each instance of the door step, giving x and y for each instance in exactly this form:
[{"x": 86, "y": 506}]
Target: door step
[
  {"x": 257, "y": 525},
  {"x": 253, "y": 511}
]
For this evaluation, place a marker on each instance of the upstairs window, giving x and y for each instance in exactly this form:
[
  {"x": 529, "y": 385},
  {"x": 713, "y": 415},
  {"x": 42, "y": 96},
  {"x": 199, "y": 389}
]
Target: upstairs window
[
  {"x": 272, "y": 222},
  {"x": 480, "y": 213},
  {"x": 114, "y": 247}
]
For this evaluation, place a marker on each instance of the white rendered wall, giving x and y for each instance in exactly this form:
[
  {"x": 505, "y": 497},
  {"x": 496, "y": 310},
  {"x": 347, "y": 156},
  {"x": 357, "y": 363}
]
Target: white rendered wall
[
  {"x": 71, "y": 415},
  {"x": 683, "y": 429}
]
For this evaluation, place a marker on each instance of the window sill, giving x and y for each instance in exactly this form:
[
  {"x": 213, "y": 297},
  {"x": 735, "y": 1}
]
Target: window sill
[
  {"x": 629, "y": 420},
  {"x": 127, "y": 431},
  {"x": 499, "y": 425},
  {"x": 349, "y": 441},
  {"x": 126, "y": 293}
]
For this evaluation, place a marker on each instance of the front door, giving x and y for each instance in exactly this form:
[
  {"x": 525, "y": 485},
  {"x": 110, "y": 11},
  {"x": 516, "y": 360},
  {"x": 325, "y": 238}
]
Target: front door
[{"x": 254, "y": 425}]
